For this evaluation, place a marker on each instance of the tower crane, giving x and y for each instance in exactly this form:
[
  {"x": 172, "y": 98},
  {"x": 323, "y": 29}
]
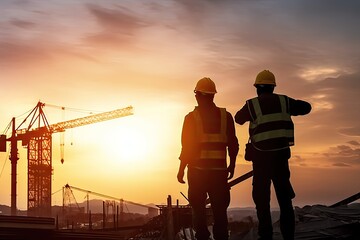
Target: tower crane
[{"x": 37, "y": 139}]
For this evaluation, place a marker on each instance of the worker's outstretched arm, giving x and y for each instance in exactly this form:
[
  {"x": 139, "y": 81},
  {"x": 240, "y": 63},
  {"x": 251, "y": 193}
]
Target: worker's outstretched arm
[{"x": 299, "y": 107}]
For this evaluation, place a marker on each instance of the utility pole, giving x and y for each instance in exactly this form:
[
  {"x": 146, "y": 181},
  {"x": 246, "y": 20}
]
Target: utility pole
[{"x": 13, "y": 158}]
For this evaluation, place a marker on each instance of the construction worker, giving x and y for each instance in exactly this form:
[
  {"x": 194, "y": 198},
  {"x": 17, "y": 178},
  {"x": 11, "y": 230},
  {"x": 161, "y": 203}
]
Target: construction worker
[
  {"x": 271, "y": 133},
  {"x": 208, "y": 133}
]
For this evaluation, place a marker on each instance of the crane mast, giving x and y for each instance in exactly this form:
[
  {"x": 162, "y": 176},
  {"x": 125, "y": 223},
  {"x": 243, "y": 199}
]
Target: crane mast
[{"x": 37, "y": 137}]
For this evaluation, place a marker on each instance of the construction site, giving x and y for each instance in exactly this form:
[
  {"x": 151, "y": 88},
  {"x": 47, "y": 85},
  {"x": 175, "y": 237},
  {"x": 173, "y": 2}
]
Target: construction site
[{"x": 108, "y": 219}]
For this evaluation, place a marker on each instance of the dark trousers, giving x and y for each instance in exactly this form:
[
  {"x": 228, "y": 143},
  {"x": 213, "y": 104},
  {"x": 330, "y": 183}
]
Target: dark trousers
[
  {"x": 212, "y": 183},
  {"x": 273, "y": 169}
]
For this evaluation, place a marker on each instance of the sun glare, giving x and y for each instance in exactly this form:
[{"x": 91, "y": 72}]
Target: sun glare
[{"x": 129, "y": 144}]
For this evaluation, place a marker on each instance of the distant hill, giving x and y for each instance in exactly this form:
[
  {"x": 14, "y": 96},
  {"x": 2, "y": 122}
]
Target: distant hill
[
  {"x": 95, "y": 206},
  {"x": 5, "y": 210},
  {"x": 239, "y": 214},
  {"x": 244, "y": 214}
]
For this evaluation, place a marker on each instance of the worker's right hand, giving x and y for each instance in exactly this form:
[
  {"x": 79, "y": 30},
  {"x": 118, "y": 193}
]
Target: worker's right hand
[
  {"x": 231, "y": 169},
  {"x": 180, "y": 177}
]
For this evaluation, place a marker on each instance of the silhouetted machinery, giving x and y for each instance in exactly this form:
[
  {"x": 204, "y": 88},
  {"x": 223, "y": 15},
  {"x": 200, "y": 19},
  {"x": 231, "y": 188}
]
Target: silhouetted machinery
[
  {"x": 152, "y": 211},
  {"x": 38, "y": 141}
]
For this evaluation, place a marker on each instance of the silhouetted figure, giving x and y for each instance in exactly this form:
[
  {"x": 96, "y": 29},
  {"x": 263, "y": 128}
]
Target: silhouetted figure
[
  {"x": 271, "y": 133},
  {"x": 208, "y": 132}
]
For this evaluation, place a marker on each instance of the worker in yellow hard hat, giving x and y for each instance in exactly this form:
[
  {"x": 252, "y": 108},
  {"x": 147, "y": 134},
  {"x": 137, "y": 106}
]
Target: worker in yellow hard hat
[
  {"x": 205, "y": 86},
  {"x": 271, "y": 133},
  {"x": 208, "y": 136},
  {"x": 265, "y": 78}
]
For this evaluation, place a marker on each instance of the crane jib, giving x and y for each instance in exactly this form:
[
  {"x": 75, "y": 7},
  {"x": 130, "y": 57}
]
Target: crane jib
[{"x": 61, "y": 126}]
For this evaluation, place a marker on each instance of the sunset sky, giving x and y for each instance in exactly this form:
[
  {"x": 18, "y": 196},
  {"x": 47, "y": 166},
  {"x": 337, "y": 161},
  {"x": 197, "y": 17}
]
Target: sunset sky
[{"x": 93, "y": 56}]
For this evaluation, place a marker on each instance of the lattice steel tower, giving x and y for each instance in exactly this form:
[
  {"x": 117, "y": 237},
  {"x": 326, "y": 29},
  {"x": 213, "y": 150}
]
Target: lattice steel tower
[{"x": 37, "y": 138}]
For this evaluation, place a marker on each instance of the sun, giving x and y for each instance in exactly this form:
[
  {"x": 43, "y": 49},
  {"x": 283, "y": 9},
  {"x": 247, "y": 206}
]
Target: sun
[{"x": 129, "y": 143}]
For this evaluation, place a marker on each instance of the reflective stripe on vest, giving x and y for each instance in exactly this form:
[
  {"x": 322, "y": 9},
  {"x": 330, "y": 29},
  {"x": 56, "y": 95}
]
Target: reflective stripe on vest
[
  {"x": 213, "y": 157},
  {"x": 278, "y": 137}
]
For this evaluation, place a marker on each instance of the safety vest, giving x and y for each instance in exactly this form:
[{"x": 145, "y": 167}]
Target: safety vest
[
  {"x": 272, "y": 131},
  {"x": 212, "y": 146}
]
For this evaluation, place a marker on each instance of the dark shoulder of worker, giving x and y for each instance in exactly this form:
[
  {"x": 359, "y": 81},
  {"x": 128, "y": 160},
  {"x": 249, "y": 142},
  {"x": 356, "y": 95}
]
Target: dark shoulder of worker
[
  {"x": 299, "y": 107},
  {"x": 232, "y": 141},
  {"x": 230, "y": 125}
]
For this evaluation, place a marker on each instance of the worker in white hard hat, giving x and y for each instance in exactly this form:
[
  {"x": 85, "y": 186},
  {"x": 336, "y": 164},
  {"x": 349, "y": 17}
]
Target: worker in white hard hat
[
  {"x": 271, "y": 133},
  {"x": 208, "y": 136}
]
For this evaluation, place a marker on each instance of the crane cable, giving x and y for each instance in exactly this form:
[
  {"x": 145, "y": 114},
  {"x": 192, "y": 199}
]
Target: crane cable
[
  {"x": 62, "y": 140},
  {"x": 57, "y": 191},
  {"x": 74, "y": 109},
  {"x": 7, "y": 128},
  {"x": 62, "y": 134},
  {"x": 2, "y": 170},
  {"x": 18, "y": 117}
]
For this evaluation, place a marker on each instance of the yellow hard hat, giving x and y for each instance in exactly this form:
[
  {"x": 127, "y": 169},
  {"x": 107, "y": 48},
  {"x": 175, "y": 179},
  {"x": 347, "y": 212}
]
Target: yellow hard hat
[
  {"x": 205, "y": 85},
  {"x": 265, "y": 77}
]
